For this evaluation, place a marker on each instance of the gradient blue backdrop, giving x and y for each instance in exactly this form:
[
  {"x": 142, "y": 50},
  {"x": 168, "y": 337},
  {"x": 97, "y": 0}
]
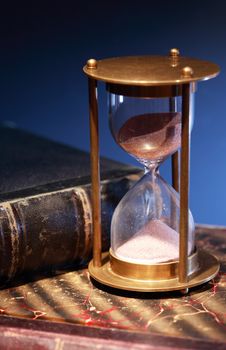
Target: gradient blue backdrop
[{"x": 43, "y": 89}]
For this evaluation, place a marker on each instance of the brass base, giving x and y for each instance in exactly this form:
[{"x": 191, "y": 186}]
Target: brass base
[
  {"x": 151, "y": 272},
  {"x": 208, "y": 268}
]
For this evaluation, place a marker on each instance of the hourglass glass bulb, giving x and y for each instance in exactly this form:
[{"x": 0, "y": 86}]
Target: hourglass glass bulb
[
  {"x": 151, "y": 137},
  {"x": 145, "y": 224}
]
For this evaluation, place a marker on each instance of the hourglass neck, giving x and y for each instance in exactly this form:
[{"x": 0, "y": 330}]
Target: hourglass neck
[{"x": 152, "y": 167}]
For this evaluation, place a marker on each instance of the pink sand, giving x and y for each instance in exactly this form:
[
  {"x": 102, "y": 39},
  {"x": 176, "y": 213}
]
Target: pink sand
[{"x": 155, "y": 242}]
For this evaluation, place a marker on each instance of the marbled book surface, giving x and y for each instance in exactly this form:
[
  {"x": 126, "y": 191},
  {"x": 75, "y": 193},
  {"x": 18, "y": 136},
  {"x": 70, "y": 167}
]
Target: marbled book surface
[{"x": 71, "y": 298}]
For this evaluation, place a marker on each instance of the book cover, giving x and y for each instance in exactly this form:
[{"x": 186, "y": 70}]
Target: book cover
[{"x": 45, "y": 209}]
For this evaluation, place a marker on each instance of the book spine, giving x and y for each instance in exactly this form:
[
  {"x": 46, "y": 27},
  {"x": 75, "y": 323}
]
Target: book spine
[{"x": 53, "y": 231}]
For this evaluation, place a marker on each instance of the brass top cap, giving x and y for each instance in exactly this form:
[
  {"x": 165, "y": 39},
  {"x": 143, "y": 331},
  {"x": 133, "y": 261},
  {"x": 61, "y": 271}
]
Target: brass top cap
[
  {"x": 187, "y": 72},
  {"x": 91, "y": 64},
  {"x": 174, "y": 52},
  {"x": 151, "y": 70}
]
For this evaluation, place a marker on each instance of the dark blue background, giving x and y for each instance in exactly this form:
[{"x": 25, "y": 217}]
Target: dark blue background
[{"x": 43, "y": 89}]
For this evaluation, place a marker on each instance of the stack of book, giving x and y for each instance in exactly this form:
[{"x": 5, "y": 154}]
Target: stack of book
[{"x": 45, "y": 209}]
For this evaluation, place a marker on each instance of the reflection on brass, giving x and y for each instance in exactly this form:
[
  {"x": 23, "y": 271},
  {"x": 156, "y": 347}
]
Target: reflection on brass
[
  {"x": 150, "y": 70},
  {"x": 208, "y": 268},
  {"x": 174, "y": 62},
  {"x": 91, "y": 64},
  {"x": 161, "y": 271},
  {"x": 174, "y": 53}
]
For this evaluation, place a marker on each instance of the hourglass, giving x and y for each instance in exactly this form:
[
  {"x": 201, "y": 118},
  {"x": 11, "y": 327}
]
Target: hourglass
[{"x": 150, "y": 101}]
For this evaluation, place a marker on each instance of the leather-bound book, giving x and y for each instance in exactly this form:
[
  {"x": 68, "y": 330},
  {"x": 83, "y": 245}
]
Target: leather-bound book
[{"x": 45, "y": 209}]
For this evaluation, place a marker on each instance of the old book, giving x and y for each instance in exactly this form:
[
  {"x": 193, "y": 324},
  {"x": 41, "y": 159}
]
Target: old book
[
  {"x": 67, "y": 311},
  {"x": 45, "y": 209}
]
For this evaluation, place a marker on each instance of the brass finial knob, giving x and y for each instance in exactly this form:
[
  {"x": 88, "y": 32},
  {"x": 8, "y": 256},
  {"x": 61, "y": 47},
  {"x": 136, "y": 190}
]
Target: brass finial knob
[
  {"x": 187, "y": 72},
  {"x": 174, "y": 52},
  {"x": 91, "y": 63}
]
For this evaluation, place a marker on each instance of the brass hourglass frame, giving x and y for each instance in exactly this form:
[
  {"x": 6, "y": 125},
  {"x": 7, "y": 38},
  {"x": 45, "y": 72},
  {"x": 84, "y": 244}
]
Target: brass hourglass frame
[{"x": 149, "y": 76}]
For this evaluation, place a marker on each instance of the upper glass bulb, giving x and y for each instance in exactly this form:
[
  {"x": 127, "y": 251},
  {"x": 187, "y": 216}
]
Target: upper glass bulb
[{"x": 145, "y": 127}]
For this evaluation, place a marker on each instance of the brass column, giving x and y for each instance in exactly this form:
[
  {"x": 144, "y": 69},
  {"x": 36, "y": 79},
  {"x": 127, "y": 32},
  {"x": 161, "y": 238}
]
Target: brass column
[
  {"x": 184, "y": 184},
  {"x": 175, "y": 170},
  {"x": 95, "y": 172},
  {"x": 175, "y": 156}
]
